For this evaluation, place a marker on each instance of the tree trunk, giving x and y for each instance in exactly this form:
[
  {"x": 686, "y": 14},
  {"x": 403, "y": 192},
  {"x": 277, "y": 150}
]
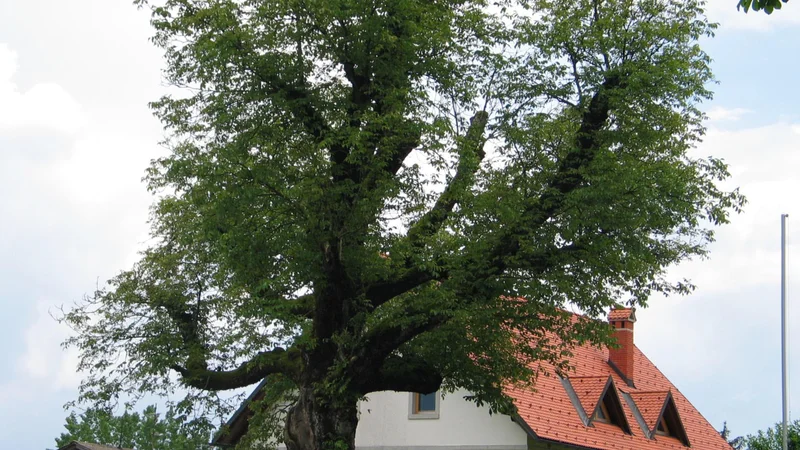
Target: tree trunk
[{"x": 316, "y": 425}]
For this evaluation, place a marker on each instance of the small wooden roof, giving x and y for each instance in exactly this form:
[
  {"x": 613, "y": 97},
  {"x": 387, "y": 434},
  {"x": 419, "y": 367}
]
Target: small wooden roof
[{"x": 75, "y": 445}]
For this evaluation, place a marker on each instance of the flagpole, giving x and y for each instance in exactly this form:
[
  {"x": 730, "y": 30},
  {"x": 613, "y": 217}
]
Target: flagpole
[{"x": 784, "y": 340}]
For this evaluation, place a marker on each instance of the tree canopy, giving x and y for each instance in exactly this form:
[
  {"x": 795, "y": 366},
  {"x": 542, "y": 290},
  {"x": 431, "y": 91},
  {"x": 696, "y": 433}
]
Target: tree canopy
[
  {"x": 367, "y": 195},
  {"x": 772, "y": 438},
  {"x": 146, "y": 431}
]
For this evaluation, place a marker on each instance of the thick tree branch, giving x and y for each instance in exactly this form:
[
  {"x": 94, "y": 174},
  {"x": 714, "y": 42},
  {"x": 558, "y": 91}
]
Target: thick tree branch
[
  {"x": 567, "y": 178},
  {"x": 387, "y": 158},
  {"x": 381, "y": 293},
  {"x": 402, "y": 373},
  {"x": 397, "y": 155},
  {"x": 303, "y": 306},
  {"x": 381, "y": 368},
  {"x": 253, "y": 371},
  {"x": 360, "y": 95},
  {"x": 298, "y": 98},
  {"x": 299, "y": 101},
  {"x": 195, "y": 371},
  {"x": 471, "y": 154},
  {"x": 382, "y": 342},
  {"x": 185, "y": 320}
]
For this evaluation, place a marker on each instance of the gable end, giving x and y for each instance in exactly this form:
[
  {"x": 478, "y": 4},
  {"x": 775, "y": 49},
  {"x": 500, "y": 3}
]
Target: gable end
[
  {"x": 672, "y": 419},
  {"x": 610, "y": 401}
]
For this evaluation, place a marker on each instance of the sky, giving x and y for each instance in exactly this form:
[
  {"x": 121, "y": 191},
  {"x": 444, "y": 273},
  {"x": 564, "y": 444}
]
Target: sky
[{"x": 76, "y": 136}]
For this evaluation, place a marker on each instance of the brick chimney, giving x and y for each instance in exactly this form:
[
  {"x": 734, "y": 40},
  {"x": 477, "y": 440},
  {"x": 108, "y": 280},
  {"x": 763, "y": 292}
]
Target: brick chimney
[{"x": 621, "y": 320}]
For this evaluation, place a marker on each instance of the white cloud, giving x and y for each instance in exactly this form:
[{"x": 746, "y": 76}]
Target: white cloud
[
  {"x": 78, "y": 211},
  {"x": 718, "y": 114},
  {"x": 43, "y": 358},
  {"x": 725, "y": 336},
  {"x": 45, "y": 105},
  {"x": 75, "y": 138},
  {"x": 97, "y": 172},
  {"x": 8, "y": 64},
  {"x": 764, "y": 163}
]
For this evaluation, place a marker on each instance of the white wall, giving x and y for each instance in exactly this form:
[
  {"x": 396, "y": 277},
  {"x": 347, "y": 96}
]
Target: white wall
[{"x": 384, "y": 422}]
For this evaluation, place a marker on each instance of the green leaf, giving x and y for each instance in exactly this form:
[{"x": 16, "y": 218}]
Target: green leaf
[{"x": 745, "y": 4}]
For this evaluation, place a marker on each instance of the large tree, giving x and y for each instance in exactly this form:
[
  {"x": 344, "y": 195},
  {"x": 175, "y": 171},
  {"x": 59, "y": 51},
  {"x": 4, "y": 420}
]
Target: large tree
[{"x": 368, "y": 195}]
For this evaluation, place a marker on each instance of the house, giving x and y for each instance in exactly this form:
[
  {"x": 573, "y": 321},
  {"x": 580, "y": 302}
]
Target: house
[
  {"x": 615, "y": 399},
  {"x": 75, "y": 445}
]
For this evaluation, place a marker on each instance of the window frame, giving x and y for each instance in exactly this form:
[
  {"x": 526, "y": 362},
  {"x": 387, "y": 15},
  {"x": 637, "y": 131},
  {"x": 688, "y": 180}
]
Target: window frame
[
  {"x": 662, "y": 429},
  {"x": 415, "y": 413},
  {"x": 602, "y": 409}
]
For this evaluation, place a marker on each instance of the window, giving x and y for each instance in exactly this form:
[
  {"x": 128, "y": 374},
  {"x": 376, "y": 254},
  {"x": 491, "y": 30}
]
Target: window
[
  {"x": 424, "y": 402},
  {"x": 663, "y": 429},
  {"x": 601, "y": 415},
  {"x": 669, "y": 424},
  {"x": 609, "y": 409},
  {"x": 424, "y": 406}
]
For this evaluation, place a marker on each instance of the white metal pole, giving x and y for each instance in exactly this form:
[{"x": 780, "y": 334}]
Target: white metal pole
[{"x": 784, "y": 340}]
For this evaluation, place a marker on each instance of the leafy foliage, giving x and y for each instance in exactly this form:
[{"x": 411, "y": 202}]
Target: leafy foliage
[
  {"x": 368, "y": 195},
  {"x": 145, "y": 431},
  {"x": 772, "y": 438},
  {"x": 768, "y": 6}
]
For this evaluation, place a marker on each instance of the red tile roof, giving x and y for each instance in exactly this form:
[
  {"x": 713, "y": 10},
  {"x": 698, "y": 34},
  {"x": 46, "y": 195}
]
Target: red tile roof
[
  {"x": 588, "y": 390},
  {"x": 550, "y": 414}
]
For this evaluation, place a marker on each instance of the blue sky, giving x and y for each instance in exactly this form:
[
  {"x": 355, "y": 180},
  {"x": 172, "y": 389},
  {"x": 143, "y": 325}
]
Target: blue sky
[{"x": 76, "y": 136}]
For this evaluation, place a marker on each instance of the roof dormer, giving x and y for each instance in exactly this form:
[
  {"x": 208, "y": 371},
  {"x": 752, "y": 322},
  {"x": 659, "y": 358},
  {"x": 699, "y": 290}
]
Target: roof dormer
[
  {"x": 659, "y": 415},
  {"x": 596, "y": 399}
]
